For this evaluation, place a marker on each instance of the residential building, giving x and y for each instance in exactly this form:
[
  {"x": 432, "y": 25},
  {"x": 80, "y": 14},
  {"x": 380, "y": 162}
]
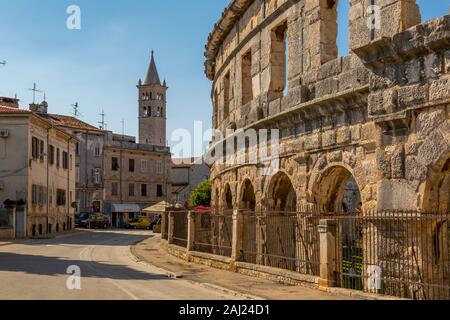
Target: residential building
[
  {"x": 88, "y": 158},
  {"x": 187, "y": 173},
  {"x": 37, "y": 175}
]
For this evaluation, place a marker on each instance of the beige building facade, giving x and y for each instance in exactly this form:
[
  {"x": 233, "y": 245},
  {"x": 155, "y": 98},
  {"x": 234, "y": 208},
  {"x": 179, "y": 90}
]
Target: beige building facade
[
  {"x": 136, "y": 176},
  {"x": 38, "y": 165}
]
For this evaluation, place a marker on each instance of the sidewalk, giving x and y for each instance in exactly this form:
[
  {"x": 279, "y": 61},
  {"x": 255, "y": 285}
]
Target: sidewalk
[{"x": 150, "y": 252}]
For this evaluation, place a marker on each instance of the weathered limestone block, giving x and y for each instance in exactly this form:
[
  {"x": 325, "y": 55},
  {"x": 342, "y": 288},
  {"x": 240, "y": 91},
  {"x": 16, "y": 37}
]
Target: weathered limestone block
[
  {"x": 413, "y": 71},
  {"x": 335, "y": 156},
  {"x": 343, "y": 135},
  {"x": 412, "y": 96},
  {"x": 330, "y": 69},
  {"x": 349, "y": 159},
  {"x": 440, "y": 89},
  {"x": 397, "y": 16},
  {"x": 414, "y": 170},
  {"x": 432, "y": 148},
  {"x": 326, "y": 87},
  {"x": 314, "y": 141},
  {"x": 411, "y": 148},
  {"x": 274, "y": 107},
  {"x": 377, "y": 82},
  {"x": 447, "y": 61},
  {"x": 353, "y": 79},
  {"x": 383, "y": 164},
  {"x": 396, "y": 194},
  {"x": 432, "y": 65},
  {"x": 383, "y": 102},
  {"x": 398, "y": 163},
  {"x": 428, "y": 120},
  {"x": 329, "y": 138},
  {"x": 355, "y": 132},
  {"x": 368, "y": 131}
]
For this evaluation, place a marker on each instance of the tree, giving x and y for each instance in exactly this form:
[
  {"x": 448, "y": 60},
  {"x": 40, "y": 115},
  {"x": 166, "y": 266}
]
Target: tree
[{"x": 201, "y": 195}]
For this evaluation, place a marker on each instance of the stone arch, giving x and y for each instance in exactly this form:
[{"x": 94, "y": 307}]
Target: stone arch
[
  {"x": 332, "y": 188},
  {"x": 227, "y": 197},
  {"x": 436, "y": 195},
  {"x": 247, "y": 195},
  {"x": 280, "y": 193}
]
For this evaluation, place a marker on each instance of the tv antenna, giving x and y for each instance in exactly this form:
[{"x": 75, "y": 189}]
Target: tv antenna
[
  {"x": 102, "y": 123},
  {"x": 34, "y": 89},
  {"x": 3, "y": 62},
  {"x": 76, "y": 113}
]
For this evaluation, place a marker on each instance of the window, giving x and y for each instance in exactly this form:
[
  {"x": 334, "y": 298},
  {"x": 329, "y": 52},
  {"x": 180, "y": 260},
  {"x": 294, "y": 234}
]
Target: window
[
  {"x": 98, "y": 150},
  {"x": 143, "y": 190},
  {"x": 131, "y": 163},
  {"x": 159, "y": 190},
  {"x": 77, "y": 174},
  {"x": 144, "y": 166},
  {"x": 58, "y": 163},
  {"x": 77, "y": 148},
  {"x": 115, "y": 189},
  {"x": 41, "y": 150},
  {"x": 115, "y": 164},
  {"x": 37, "y": 148},
  {"x": 278, "y": 61},
  {"x": 38, "y": 195},
  {"x": 131, "y": 189},
  {"x": 159, "y": 168},
  {"x": 60, "y": 197},
  {"x": 51, "y": 154},
  {"x": 97, "y": 176},
  {"x": 71, "y": 163},
  {"x": 65, "y": 160},
  {"x": 247, "y": 86},
  {"x": 226, "y": 92}
]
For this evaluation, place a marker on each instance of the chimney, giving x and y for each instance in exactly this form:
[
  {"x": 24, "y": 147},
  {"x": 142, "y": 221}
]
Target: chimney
[
  {"x": 9, "y": 102},
  {"x": 41, "y": 108}
]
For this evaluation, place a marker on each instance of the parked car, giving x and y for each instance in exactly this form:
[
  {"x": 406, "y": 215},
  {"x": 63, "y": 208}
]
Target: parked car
[
  {"x": 140, "y": 223},
  {"x": 94, "y": 221}
]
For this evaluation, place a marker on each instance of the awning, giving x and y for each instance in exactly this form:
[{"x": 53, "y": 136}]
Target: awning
[
  {"x": 122, "y": 208},
  {"x": 163, "y": 206}
]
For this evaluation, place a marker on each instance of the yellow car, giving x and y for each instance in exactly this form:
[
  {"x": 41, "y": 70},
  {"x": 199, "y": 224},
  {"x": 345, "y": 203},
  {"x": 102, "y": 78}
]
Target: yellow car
[{"x": 140, "y": 223}]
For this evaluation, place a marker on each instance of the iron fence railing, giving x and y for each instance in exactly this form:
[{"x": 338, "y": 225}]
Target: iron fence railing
[
  {"x": 214, "y": 232},
  {"x": 396, "y": 253},
  {"x": 180, "y": 228},
  {"x": 282, "y": 240}
]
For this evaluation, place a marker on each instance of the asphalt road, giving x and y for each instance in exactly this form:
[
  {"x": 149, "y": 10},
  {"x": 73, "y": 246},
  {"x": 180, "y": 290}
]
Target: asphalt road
[{"x": 37, "y": 269}]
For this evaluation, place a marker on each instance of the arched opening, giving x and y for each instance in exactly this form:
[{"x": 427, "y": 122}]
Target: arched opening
[
  {"x": 228, "y": 198},
  {"x": 437, "y": 191},
  {"x": 248, "y": 199},
  {"x": 337, "y": 191},
  {"x": 281, "y": 194}
]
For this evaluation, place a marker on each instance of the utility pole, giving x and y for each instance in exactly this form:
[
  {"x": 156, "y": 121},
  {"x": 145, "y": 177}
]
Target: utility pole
[{"x": 34, "y": 89}]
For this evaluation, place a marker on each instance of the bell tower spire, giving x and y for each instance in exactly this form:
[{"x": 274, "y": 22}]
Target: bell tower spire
[{"x": 152, "y": 107}]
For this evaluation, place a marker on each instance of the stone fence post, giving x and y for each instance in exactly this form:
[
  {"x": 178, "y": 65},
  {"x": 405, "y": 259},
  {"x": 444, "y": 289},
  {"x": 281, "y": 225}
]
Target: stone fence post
[
  {"x": 171, "y": 222},
  {"x": 191, "y": 231},
  {"x": 237, "y": 241},
  {"x": 328, "y": 229}
]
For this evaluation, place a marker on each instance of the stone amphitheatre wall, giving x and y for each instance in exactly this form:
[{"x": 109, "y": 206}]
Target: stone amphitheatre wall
[{"x": 380, "y": 114}]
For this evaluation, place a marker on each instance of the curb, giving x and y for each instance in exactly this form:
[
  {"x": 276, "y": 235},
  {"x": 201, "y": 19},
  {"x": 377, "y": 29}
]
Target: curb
[{"x": 138, "y": 258}]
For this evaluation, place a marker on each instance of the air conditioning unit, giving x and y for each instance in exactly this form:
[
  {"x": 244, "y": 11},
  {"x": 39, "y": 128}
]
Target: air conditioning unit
[{"x": 4, "y": 133}]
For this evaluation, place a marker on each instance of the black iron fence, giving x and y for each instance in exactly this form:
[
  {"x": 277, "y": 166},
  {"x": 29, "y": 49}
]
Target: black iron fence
[
  {"x": 396, "y": 253},
  {"x": 214, "y": 232},
  {"x": 180, "y": 228},
  {"x": 282, "y": 240}
]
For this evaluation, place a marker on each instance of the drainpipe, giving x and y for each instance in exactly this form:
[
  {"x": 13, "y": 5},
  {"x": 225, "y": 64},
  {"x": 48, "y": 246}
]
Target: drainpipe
[
  {"x": 47, "y": 187},
  {"x": 68, "y": 205}
]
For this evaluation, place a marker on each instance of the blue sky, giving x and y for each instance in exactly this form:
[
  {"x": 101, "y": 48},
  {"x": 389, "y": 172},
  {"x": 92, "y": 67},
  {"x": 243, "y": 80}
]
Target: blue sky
[{"x": 99, "y": 65}]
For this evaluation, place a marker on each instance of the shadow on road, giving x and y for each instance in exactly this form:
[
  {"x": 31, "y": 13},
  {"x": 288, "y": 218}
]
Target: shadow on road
[{"x": 54, "y": 266}]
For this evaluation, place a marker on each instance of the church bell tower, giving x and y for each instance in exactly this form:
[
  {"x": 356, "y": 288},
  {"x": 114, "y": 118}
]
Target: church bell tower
[{"x": 152, "y": 108}]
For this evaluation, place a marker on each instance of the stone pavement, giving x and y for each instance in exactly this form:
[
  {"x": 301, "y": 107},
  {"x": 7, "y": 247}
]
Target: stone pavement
[{"x": 150, "y": 252}]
